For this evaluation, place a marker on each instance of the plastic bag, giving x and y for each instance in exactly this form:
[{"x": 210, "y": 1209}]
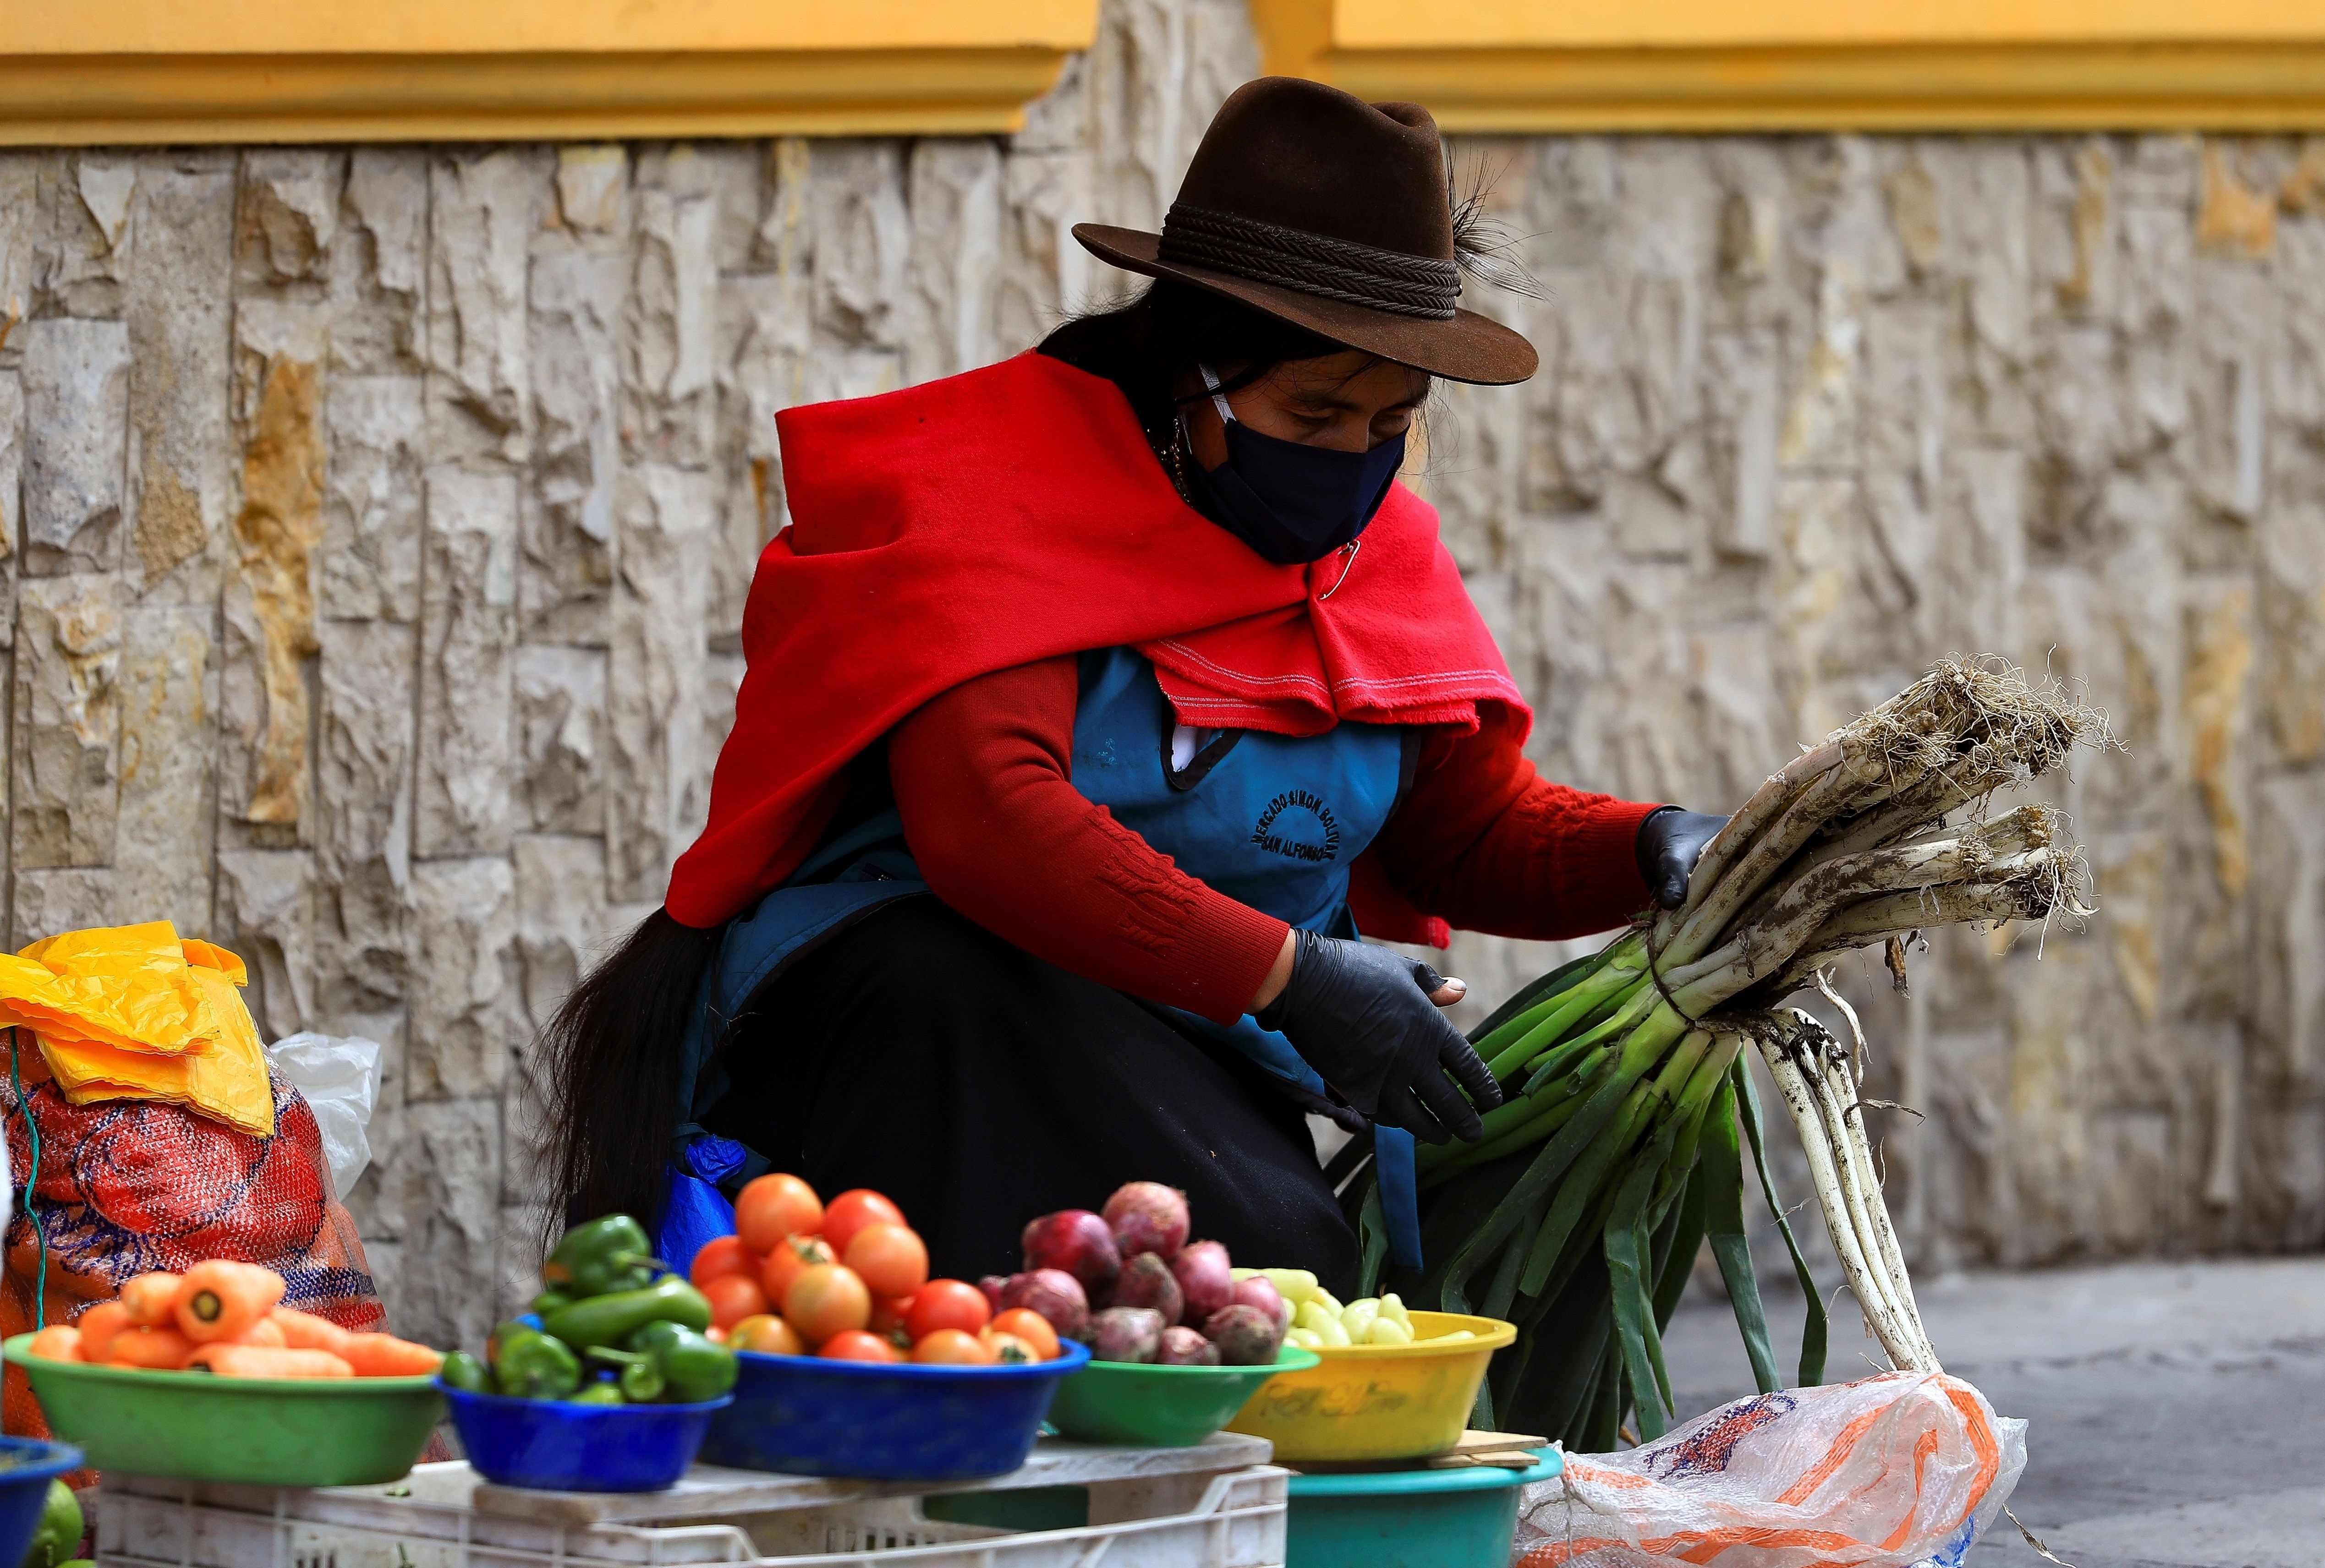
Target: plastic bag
[
  {"x": 338, "y": 1077},
  {"x": 1885, "y": 1472},
  {"x": 122, "y": 986},
  {"x": 694, "y": 1212},
  {"x": 132, "y": 1013}
]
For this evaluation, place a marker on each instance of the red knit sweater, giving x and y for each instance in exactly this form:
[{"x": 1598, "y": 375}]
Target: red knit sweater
[{"x": 983, "y": 782}]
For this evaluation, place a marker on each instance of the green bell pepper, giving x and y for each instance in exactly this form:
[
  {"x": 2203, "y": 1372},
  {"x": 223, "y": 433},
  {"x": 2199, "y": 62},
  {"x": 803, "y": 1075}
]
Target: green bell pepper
[
  {"x": 463, "y": 1372},
  {"x": 549, "y": 1301},
  {"x": 597, "y": 1394},
  {"x": 604, "y": 1255},
  {"x": 611, "y": 1320},
  {"x": 639, "y": 1377},
  {"x": 656, "y": 1334},
  {"x": 693, "y": 1367},
  {"x": 533, "y": 1366},
  {"x": 58, "y": 1531},
  {"x": 502, "y": 1333}
]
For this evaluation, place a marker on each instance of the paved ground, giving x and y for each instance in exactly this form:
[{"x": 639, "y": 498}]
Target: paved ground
[{"x": 2176, "y": 1411}]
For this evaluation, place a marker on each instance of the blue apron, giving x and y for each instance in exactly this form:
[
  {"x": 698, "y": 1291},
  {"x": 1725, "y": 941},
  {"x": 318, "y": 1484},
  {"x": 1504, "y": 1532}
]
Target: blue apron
[{"x": 1272, "y": 821}]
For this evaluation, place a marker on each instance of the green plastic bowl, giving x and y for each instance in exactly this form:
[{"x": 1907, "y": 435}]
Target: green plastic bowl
[
  {"x": 257, "y": 1432},
  {"x": 1161, "y": 1406}
]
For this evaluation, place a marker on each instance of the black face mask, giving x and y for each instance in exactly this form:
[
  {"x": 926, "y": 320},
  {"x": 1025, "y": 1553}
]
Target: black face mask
[{"x": 1290, "y": 502}]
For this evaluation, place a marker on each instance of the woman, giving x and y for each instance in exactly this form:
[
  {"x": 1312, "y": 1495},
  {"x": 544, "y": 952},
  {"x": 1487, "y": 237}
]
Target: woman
[{"x": 1130, "y": 652}]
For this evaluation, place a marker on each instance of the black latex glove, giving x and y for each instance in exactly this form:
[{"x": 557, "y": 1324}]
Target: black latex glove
[
  {"x": 1361, "y": 1016},
  {"x": 1346, "y": 1118},
  {"x": 1670, "y": 843}
]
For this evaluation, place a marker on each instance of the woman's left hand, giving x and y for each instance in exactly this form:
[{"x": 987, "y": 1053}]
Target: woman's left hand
[
  {"x": 1670, "y": 840},
  {"x": 1367, "y": 1018}
]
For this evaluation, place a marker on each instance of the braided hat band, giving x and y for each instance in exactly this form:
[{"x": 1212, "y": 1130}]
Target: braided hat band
[{"x": 1314, "y": 264}]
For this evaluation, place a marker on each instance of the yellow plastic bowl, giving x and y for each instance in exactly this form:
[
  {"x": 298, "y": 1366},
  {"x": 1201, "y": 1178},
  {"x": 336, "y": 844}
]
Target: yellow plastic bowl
[{"x": 1379, "y": 1401}]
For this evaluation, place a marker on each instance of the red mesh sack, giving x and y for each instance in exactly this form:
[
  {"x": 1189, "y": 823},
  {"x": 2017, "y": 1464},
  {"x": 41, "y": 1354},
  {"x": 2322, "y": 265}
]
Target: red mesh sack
[{"x": 127, "y": 1186}]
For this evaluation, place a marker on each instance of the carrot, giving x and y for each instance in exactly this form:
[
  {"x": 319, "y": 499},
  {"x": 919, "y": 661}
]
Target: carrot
[
  {"x": 162, "y": 1349},
  {"x": 261, "y": 1361},
  {"x": 97, "y": 1326},
  {"x": 219, "y": 1298},
  {"x": 149, "y": 1298},
  {"x": 303, "y": 1331},
  {"x": 385, "y": 1355},
  {"x": 59, "y": 1341},
  {"x": 265, "y": 1333}
]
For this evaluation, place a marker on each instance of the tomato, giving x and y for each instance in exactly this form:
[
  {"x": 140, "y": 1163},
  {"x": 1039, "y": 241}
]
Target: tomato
[
  {"x": 719, "y": 1257},
  {"x": 889, "y": 1315},
  {"x": 855, "y": 1344},
  {"x": 773, "y": 1207},
  {"x": 948, "y": 1304},
  {"x": 1007, "y": 1349},
  {"x": 791, "y": 1255},
  {"x": 732, "y": 1299},
  {"x": 826, "y": 1299},
  {"x": 892, "y": 1261},
  {"x": 853, "y": 1209},
  {"x": 952, "y": 1347},
  {"x": 767, "y": 1334},
  {"x": 1030, "y": 1326}
]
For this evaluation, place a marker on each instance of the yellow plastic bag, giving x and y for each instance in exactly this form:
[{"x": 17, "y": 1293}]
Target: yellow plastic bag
[
  {"x": 126, "y": 986},
  {"x": 209, "y": 955},
  {"x": 131, "y": 1012}
]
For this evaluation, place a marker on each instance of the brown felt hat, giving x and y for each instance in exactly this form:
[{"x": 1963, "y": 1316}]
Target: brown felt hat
[{"x": 1333, "y": 213}]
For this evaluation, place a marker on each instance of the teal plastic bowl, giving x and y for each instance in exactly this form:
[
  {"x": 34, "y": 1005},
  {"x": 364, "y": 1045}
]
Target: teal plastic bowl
[{"x": 1410, "y": 1518}]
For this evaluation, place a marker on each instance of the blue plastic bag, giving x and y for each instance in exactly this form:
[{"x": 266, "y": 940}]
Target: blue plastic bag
[{"x": 694, "y": 1212}]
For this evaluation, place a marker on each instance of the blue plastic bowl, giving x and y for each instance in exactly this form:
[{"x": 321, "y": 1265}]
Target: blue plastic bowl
[
  {"x": 27, "y": 1466},
  {"x": 551, "y": 1446},
  {"x": 868, "y": 1421}
]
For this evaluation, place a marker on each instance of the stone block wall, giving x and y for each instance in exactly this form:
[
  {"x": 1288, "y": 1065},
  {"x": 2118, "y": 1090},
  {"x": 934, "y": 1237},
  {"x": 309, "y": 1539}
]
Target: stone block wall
[
  {"x": 1816, "y": 411},
  {"x": 378, "y": 524}
]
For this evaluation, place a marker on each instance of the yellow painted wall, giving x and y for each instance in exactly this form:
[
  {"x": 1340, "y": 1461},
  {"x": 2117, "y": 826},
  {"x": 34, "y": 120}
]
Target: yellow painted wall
[
  {"x": 78, "y": 72},
  {"x": 85, "y": 72},
  {"x": 1773, "y": 65},
  {"x": 1689, "y": 23},
  {"x": 209, "y": 27}
]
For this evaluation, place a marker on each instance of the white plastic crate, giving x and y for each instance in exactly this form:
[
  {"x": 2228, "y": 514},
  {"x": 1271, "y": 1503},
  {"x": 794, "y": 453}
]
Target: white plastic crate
[{"x": 1142, "y": 1514}]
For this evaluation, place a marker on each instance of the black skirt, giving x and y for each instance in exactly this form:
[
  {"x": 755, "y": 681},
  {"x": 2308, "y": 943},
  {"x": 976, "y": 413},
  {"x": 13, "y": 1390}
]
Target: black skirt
[{"x": 919, "y": 1055}]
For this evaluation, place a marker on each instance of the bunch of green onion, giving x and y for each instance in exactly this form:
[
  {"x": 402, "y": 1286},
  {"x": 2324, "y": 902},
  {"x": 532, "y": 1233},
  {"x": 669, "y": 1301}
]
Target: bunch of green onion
[{"x": 1618, "y": 1148}]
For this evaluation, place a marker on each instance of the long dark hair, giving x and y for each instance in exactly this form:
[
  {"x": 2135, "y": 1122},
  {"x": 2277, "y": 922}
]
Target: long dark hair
[
  {"x": 610, "y": 1060},
  {"x": 1151, "y": 344}
]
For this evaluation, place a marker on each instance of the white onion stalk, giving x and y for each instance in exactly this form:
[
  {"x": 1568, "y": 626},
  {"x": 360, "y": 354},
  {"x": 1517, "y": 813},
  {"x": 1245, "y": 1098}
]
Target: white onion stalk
[
  {"x": 1797, "y": 1051},
  {"x": 1873, "y": 1297},
  {"x": 1849, "y": 1086}
]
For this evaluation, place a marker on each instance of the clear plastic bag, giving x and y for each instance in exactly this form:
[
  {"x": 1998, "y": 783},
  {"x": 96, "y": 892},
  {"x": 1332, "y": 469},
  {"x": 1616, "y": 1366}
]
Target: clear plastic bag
[
  {"x": 338, "y": 1076},
  {"x": 1889, "y": 1472}
]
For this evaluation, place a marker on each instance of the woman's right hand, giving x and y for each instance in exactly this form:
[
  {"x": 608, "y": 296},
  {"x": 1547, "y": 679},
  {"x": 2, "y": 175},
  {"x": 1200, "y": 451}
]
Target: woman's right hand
[{"x": 1366, "y": 1018}]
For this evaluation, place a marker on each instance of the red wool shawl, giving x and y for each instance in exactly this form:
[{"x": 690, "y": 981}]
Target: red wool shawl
[{"x": 1015, "y": 513}]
